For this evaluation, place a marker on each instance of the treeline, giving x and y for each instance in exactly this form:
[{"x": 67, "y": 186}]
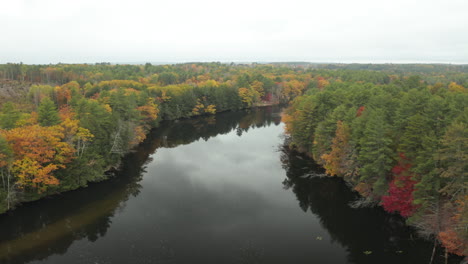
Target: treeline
[
  {"x": 60, "y": 136},
  {"x": 401, "y": 142},
  {"x": 59, "y": 74}
]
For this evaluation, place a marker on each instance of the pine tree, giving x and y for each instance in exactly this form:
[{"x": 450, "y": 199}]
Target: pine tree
[
  {"x": 375, "y": 155},
  {"x": 325, "y": 132},
  {"x": 48, "y": 114},
  {"x": 453, "y": 156},
  {"x": 412, "y": 139},
  {"x": 9, "y": 116}
]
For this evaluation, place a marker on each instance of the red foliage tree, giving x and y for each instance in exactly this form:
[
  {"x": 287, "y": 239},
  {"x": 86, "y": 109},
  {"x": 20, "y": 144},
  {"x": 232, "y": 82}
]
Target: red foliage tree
[
  {"x": 360, "y": 110},
  {"x": 267, "y": 97},
  {"x": 400, "y": 194}
]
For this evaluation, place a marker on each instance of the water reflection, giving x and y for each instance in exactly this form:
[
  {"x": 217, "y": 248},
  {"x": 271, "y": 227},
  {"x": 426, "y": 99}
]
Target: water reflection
[{"x": 368, "y": 234}]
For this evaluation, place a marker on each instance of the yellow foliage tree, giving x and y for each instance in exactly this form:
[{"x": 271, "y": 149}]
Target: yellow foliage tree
[
  {"x": 248, "y": 95},
  {"x": 76, "y": 136},
  {"x": 257, "y": 86},
  {"x": 454, "y": 87},
  {"x": 198, "y": 107},
  {"x": 210, "y": 109}
]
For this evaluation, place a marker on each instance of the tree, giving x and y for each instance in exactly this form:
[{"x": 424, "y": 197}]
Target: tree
[
  {"x": 9, "y": 116},
  {"x": 48, "y": 114},
  {"x": 38, "y": 92},
  {"x": 454, "y": 87},
  {"x": 400, "y": 193},
  {"x": 166, "y": 78},
  {"x": 74, "y": 134},
  {"x": 301, "y": 121},
  {"x": 411, "y": 140},
  {"x": 453, "y": 157},
  {"x": 322, "y": 83},
  {"x": 292, "y": 89},
  {"x": 247, "y": 95},
  {"x": 450, "y": 240},
  {"x": 340, "y": 161},
  {"x": 198, "y": 108},
  {"x": 326, "y": 130},
  {"x": 38, "y": 151},
  {"x": 360, "y": 110},
  {"x": 148, "y": 112},
  {"x": 258, "y": 87},
  {"x": 65, "y": 92},
  {"x": 124, "y": 105},
  {"x": 375, "y": 154},
  {"x": 6, "y": 160}
]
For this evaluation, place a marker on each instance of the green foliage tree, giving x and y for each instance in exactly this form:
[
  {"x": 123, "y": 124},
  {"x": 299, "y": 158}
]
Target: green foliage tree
[
  {"x": 376, "y": 154},
  {"x": 9, "y": 116},
  {"x": 47, "y": 113},
  {"x": 453, "y": 156}
]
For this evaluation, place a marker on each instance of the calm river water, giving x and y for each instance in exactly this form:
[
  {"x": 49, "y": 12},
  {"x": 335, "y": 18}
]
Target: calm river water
[{"x": 211, "y": 190}]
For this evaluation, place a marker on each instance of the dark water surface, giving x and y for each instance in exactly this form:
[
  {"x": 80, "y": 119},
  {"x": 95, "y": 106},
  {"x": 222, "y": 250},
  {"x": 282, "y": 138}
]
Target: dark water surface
[{"x": 211, "y": 190}]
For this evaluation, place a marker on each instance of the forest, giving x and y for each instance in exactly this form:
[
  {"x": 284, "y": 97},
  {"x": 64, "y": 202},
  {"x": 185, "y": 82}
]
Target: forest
[
  {"x": 397, "y": 134},
  {"x": 401, "y": 142},
  {"x": 63, "y": 126}
]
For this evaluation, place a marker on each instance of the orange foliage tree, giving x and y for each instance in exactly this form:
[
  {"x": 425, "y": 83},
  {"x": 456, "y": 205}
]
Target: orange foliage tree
[
  {"x": 338, "y": 161},
  {"x": 451, "y": 241},
  {"x": 148, "y": 112},
  {"x": 38, "y": 151},
  {"x": 139, "y": 134},
  {"x": 322, "y": 83},
  {"x": 454, "y": 236}
]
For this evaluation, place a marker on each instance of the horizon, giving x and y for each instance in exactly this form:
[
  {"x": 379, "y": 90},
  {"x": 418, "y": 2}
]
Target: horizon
[{"x": 240, "y": 62}]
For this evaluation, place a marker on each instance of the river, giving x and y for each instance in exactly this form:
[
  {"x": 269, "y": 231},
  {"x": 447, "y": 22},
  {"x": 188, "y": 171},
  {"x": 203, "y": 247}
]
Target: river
[{"x": 217, "y": 189}]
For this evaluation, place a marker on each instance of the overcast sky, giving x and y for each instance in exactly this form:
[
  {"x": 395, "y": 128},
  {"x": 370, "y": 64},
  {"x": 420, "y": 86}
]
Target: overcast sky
[{"x": 51, "y": 31}]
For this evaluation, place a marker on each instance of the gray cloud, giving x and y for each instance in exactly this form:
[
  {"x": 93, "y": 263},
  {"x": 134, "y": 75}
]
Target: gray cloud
[{"x": 51, "y": 31}]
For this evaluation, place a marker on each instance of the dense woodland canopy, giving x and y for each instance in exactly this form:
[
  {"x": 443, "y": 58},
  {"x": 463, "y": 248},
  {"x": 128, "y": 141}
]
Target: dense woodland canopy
[{"x": 397, "y": 133}]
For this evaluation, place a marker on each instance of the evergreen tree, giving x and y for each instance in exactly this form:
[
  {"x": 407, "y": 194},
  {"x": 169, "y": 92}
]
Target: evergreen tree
[
  {"x": 48, "y": 114},
  {"x": 375, "y": 154},
  {"x": 412, "y": 138},
  {"x": 9, "y": 116},
  {"x": 453, "y": 156}
]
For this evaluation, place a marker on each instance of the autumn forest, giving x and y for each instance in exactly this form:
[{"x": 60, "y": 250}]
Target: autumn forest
[{"x": 396, "y": 134}]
